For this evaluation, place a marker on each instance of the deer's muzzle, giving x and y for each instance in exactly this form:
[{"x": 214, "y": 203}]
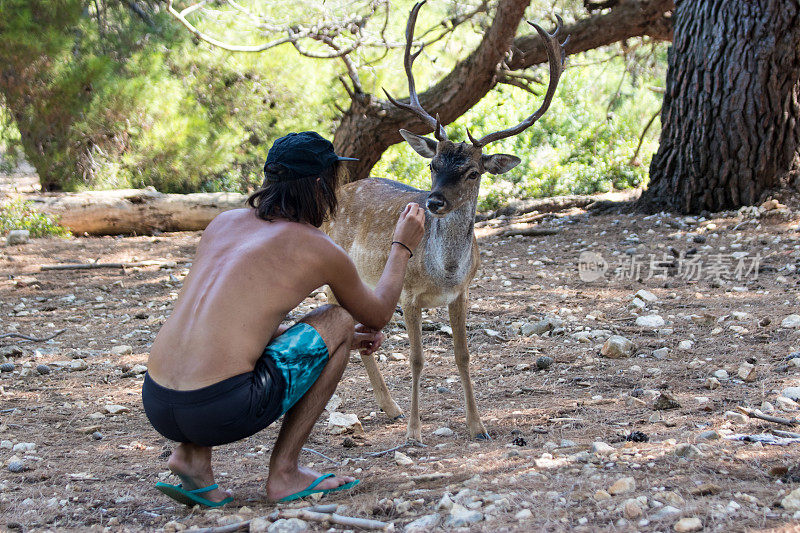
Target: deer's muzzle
[{"x": 436, "y": 203}]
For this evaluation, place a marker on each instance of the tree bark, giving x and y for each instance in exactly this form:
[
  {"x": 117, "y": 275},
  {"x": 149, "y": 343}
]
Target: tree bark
[
  {"x": 731, "y": 116},
  {"x": 141, "y": 211},
  {"x": 628, "y": 19},
  {"x": 371, "y": 125}
]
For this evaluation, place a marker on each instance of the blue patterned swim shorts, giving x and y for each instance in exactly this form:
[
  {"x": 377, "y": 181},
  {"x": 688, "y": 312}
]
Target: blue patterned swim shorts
[{"x": 300, "y": 355}]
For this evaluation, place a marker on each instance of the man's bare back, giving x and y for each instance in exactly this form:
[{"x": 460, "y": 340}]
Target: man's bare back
[{"x": 247, "y": 275}]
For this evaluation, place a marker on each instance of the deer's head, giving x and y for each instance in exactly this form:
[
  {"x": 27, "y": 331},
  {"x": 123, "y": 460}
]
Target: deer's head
[{"x": 456, "y": 168}]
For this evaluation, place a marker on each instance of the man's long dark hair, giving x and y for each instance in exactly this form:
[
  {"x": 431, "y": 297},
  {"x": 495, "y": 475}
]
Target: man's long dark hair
[{"x": 311, "y": 199}]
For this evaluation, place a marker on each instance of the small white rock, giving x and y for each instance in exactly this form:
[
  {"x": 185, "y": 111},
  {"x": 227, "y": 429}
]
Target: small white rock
[
  {"x": 793, "y": 393},
  {"x": 791, "y": 321},
  {"x": 114, "y": 409},
  {"x": 647, "y": 296},
  {"x": 402, "y": 459},
  {"x": 650, "y": 321},
  {"x": 738, "y": 418},
  {"x": 423, "y": 524},
  {"x": 258, "y": 525},
  {"x": 622, "y": 486},
  {"x": 747, "y": 372},
  {"x": 340, "y": 423},
  {"x": 661, "y": 353},
  {"x": 787, "y": 404},
  {"x": 792, "y": 501},
  {"x": 122, "y": 349},
  {"x": 523, "y": 514},
  {"x": 18, "y": 236},
  {"x": 616, "y": 347},
  {"x": 685, "y": 346},
  {"x": 721, "y": 374},
  {"x": 602, "y": 448},
  {"x": 686, "y": 525},
  {"x": 288, "y": 525}
]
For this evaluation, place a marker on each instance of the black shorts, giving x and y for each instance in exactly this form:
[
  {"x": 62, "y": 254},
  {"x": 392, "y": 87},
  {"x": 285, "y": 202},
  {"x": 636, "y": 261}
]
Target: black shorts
[
  {"x": 221, "y": 413},
  {"x": 245, "y": 404}
]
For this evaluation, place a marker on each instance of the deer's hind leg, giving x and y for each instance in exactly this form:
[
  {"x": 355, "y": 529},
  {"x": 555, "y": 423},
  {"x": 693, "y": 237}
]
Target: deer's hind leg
[
  {"x": 382, "y": 396},
  {"x": 413, "y": 319},
  {"x": 458, "y": 322}
]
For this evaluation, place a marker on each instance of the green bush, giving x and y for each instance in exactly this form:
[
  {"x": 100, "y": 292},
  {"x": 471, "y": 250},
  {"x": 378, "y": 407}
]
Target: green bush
[
  {"x": 21, "y": 214},
  {"x": 143, "y": 104}
]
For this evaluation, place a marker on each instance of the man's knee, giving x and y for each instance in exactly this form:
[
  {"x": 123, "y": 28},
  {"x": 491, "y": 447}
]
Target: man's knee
[
  {"x": 329, "y": 313},
  {"x": 332, "y": 319}
]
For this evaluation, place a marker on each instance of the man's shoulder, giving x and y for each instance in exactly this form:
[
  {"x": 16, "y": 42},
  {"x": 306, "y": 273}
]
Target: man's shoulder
[{"x": 306, "y": 237}]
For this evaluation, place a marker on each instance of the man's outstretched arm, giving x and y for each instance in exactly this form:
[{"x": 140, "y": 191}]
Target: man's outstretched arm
[{"x": 374, "y": 309}]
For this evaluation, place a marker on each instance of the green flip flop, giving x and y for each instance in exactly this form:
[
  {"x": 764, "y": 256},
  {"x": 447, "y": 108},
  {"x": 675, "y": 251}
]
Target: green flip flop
[
  {"x": 191, "y": 497},
  {"x": 311, "y": 490}
]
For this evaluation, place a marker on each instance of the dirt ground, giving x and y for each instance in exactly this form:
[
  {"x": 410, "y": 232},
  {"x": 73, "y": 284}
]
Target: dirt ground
[{"x": 85, "y": 467}]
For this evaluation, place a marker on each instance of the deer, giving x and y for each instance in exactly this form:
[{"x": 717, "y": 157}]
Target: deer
[{"x": 447, "y": 258}]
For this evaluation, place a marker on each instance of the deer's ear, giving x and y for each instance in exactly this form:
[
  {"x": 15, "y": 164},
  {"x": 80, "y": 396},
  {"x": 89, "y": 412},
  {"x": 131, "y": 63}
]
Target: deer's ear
[
  {"x": 422, "y": 145},
  {"x": 500, "y": 163}
]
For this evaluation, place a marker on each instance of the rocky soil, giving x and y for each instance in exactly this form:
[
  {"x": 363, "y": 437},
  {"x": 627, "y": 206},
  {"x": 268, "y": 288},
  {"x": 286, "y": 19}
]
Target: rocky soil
[{"x": 616, "y": 404}]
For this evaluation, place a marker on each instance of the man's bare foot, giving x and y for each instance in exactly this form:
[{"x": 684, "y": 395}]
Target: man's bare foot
[
  {"x": 192, "y": 464},
  {"x": 282, "y": 484}
]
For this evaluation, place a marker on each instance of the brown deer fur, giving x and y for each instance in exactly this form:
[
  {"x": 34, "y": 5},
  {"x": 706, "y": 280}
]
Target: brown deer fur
[{"x": 446, "y": 259}]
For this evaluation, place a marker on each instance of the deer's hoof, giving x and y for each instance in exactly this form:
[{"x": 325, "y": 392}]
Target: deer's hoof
[
  {"x": 483, "y": 436},
  {"x": 398, "y": 417}
]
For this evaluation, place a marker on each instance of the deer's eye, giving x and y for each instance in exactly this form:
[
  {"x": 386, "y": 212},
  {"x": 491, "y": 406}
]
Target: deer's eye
[{"x": 473, "y": 175}]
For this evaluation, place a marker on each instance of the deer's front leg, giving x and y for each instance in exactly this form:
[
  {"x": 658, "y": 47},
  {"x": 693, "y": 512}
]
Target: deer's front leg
[
  {"x": 413, "y": 318},
  {"x": 385, "y": 401},
  {"x": 458, "y": 323}
]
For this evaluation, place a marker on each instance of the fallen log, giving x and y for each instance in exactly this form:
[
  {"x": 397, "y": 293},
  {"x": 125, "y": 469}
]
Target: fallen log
[
  {"x": 92, "y": 266},
  {"x": 516, "y": 229},
  {"x": 556, "y": 203},
  {"x": 135, "y": 211},
  {"x": 147, "y": 211}
]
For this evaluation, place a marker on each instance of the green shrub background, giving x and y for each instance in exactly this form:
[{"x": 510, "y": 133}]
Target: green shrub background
[
  {"x": 21, "y": 214},
  {"x": 142, "y": 103}
]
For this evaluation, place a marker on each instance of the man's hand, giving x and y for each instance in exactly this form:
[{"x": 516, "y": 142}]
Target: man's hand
[
  {"x": 366, "y": 340},
  {"x": 410, "y": 227}
]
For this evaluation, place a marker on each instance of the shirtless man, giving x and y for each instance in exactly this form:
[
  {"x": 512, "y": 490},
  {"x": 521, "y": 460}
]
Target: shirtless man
[{"x": 210, "y": 379}]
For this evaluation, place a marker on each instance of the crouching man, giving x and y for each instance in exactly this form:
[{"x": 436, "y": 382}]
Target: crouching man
[{"x": 223, "y": 368}]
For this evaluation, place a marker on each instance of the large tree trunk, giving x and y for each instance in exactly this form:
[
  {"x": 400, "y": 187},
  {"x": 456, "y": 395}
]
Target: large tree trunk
[{"x": 731, "y": 116}]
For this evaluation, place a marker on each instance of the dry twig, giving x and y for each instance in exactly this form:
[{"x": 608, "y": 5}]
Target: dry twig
[
  {"x": 332, "y": 518},
  {"x": 757, "y": 413},
  {"x": 34, "y": 339},
  {"x": 334, "y": 461}
]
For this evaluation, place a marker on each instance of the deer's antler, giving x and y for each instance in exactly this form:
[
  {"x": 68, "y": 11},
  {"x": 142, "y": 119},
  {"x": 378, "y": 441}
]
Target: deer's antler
[
  {"x": 555, "y": 57},
  {"x": 408, "y": 60}
]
